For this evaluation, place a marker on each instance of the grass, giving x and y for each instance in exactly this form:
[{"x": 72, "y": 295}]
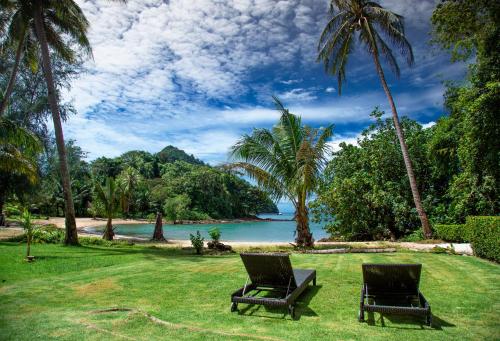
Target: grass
[{"x": 58, "y": 296}]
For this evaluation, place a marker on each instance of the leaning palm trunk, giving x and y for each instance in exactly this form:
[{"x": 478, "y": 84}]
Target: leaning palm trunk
[
  {"x": 404, "y": 149},
  {"x": 12, "y": 79},
  {"x": 71, "y": 237},
  {"x": 109, "y": 233}
]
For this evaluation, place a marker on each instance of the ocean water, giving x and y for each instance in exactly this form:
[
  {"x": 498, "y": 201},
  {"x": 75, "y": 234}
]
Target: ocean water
[{"x": 268, "y": 231}]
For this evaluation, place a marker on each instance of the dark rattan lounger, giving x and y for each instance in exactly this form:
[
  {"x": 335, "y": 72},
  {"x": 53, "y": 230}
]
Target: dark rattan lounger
[
  {"x": 393, "y": 289},
  {"x": 272, "y": 272}
]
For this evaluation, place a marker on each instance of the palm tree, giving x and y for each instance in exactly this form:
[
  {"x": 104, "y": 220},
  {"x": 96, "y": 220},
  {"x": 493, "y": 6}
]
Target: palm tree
[
  {"x": 18, "y": 150},
  {"x": 287, "y": 161},
  {"x": 107, "y": 195},
  {"x": 127, "y": 182},
  {"x": 51, "y": 22},
  {"x": 372, "y": 24},
  {"x": 15, "y": 26}
]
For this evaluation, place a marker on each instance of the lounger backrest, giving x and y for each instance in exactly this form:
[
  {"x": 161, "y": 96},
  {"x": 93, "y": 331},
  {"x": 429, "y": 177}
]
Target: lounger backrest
[
  {"x": 269, "y": 269},
  {"x": 392, "y": 278}
]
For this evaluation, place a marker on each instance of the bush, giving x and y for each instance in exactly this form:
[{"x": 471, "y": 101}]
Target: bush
[
  {"x": 485, "y": 236},
  {"x": 47, "y": 234},
  {"x": 151, "y": 217},
  {"x": 415, "y": 236},
  {"x": 215, "y": 234},
  {"x": 11, "y": 210},
  {"x": 197, "y": 242},
  {"x": 453, "y": 232},
  {"x": 95, "y": 241}
]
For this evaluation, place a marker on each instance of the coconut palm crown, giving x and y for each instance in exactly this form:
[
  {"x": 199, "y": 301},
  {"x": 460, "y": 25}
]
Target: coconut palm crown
[
  {"x": 377, "y": 29},
  {"x": 287, "y": 162}
]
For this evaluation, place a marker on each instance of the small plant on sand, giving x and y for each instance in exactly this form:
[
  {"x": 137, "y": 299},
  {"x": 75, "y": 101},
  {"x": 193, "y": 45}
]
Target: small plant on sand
[
  {"x": 197, "y": 242},
  {"x": 151, "y": 217},
  {"x": 215, "y": 234},
  {"x": 28, "y": 226}
]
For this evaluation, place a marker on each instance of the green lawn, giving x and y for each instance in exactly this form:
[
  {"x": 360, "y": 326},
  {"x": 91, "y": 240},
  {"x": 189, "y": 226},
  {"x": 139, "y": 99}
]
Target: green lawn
[{"x": 58, "y": 295}]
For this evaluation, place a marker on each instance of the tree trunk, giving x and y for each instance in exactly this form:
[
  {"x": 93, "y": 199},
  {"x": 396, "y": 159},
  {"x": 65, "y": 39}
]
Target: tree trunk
[
  {"x": 28, "y": 244},
  {"x": 2, "y": 217},
  {"x": 158, "y": 233},
  {"x": 108, "y": 232},
  {"x": 71, "y": 237},
  {"x": 304, "y": 236},
  {"x": 12, "y": 79},
  {"x": 404, "y": 149}
]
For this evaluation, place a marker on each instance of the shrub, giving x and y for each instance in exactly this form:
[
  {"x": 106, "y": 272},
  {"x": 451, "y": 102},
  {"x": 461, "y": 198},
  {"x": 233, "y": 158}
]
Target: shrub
[
  {"x": 415, "y": 236},
  {"x": 453, "y": 232},
  {"x": 215, "y": 234},
  {"x": 197, "y": 242},
  {"x": 485, "y": 236},
  {"x": 49, "y": 234},
  {"x": 151, "y": 217},
  {"x": 46, "y": 234},
  {"x": 102, "y": 242},
  {"x": 11, "y": 210}
]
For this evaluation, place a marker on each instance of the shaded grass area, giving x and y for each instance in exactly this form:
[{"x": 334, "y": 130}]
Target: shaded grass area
[{"x": 174, "y": 294}]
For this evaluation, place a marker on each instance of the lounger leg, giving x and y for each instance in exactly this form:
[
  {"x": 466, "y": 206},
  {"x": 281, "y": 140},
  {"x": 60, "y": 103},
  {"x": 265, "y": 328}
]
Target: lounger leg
[
  {"x": 234, "y": 306},
  {"x": 428, "y": 319},
  {"x": 314, "y": 281},
  {"x": 291, "y": 310},
  {"x": 361, "y": 315}
]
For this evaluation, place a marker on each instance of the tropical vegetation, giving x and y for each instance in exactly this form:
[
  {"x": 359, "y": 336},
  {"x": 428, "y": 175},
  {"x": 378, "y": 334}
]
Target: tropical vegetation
[{"x": 376, "y": 29}]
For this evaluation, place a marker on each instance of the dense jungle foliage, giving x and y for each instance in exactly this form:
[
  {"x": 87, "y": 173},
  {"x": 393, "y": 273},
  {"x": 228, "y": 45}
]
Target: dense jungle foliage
[{"x": 364, "y": 193}]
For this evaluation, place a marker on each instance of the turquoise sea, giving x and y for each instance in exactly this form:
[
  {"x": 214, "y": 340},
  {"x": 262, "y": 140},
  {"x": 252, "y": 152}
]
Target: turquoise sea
[{"x": 268, "y": 231}]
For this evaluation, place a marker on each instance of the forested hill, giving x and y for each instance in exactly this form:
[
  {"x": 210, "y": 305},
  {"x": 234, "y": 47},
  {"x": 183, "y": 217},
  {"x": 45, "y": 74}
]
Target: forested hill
[
  {"x": 172, "y": 154},
  {"x": 170, "y": 180}
]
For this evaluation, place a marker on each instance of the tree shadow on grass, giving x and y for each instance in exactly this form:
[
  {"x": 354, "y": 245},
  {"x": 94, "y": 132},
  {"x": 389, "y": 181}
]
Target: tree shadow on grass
[
  {"x": 301, "y": 306},
  {"x": 417, "y": 322}
]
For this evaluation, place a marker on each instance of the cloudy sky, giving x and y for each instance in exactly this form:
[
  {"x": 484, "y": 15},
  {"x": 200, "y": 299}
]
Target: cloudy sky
[{"x": 198, "y": 74}]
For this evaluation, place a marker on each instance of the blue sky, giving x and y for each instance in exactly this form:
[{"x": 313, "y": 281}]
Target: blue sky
[{"x": 198, "y": 74}]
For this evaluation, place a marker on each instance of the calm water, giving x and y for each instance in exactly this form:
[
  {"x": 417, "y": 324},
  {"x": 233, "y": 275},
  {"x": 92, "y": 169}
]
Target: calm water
[{"x": 272, "y": 231}]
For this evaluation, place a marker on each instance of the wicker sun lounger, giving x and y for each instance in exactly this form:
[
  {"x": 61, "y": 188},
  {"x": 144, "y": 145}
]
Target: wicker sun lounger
[
  {"x": 393, "y": 289},
  {"x": 272, "y": 273}
]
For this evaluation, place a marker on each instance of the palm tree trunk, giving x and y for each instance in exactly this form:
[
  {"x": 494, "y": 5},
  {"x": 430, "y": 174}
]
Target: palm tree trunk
[
  {"x": 404, "y": 149},
  {"x": 158, "y": 232},
  {"x": 2, "y": 217},
  {"x": 12, "y": 79},
  {"x": 71, "y": 237},
  {"x": 304, "y": 236},
  {"x": 109, "y": 233}
]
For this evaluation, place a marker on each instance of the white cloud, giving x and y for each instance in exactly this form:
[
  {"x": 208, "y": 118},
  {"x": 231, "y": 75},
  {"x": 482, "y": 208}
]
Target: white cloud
[
  {"x": 160, "y": 66},
  {"x": 428, "y": 124}
]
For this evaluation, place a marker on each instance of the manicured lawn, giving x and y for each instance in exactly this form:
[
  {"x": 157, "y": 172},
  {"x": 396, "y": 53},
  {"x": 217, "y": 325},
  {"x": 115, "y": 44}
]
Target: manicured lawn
[{"x": 58, "y": 295}]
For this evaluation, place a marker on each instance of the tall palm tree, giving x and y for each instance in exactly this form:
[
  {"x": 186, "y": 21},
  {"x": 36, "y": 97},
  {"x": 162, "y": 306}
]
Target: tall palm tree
[
  {"x": 287, "y": 161},
  {"x": 107, "y": 195},
  {"x": 52, "y": 22},
  {"x": 18, "y": 150},
  {"x": 373, "y": 25},
  {"x": 15, "y": 22}
]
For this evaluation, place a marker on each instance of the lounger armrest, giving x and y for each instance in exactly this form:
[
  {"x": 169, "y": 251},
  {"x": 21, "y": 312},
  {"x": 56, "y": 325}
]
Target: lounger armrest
[
  {"x": 423, "y": 301},
  {"x": 292, "y": 296},
  {"x": 246, "y": 289}
]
